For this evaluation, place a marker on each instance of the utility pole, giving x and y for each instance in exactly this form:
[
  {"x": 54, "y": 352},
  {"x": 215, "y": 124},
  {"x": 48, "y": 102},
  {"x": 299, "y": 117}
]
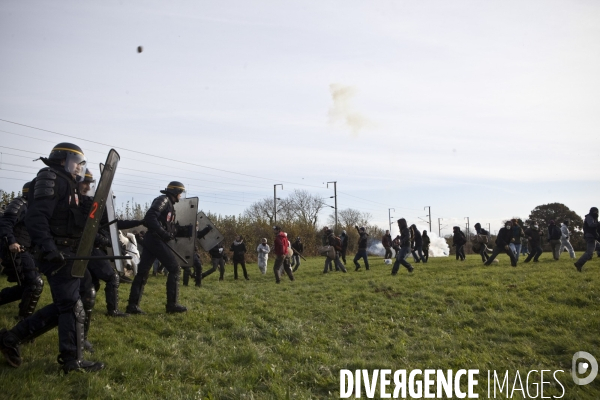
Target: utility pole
[
  {"x": 440, "y": 227},
  {"x": 390, "y": 218},
  {"x": 468, "y": 227},
  {"x": 335, "y": 198},
  {"x": 489, "y": 230},
  {"x": 429, "y": 216},
  {"x": 275, "y": 200}
]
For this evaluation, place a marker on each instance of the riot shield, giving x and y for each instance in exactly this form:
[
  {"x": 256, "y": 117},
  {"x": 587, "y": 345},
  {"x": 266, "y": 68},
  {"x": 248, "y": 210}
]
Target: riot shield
[
  {"x": 115, "y": 249},
  {"x": 213, "y": 237},
  {"x": 92, "y": 223},
  {"x": 185, "y": 215}
]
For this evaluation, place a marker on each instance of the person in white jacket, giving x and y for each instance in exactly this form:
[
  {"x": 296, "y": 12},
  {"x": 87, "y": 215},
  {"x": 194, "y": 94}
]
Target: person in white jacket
[
  {"x": 564, "y": 239},
  {"x": 263, "y": 250}
]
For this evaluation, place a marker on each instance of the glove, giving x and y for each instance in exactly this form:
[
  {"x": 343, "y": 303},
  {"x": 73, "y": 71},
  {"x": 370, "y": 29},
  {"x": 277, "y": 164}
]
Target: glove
[
  {"x": 102, "y": 241},
  {"x": 55, "y": 257},
  {"x": 506, "y": 247},
  {"x": 144, "y": 223},
  {"x": 166, "y": 236},
  {"x": 210, "y": 228}
]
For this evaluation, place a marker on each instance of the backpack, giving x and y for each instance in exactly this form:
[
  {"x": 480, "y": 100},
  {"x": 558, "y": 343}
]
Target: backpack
[
  {"x": 337, "y": 243},
  {"x": 555, "y": 233}
]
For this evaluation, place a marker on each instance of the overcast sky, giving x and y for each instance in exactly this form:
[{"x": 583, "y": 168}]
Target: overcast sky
[{"x": 477, "y": 109}]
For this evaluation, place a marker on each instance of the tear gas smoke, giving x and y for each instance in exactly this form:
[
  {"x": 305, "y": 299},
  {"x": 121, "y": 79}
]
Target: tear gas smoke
[
  {"x": 342, "y": 112},
  {"x": 437, "y": 248}
]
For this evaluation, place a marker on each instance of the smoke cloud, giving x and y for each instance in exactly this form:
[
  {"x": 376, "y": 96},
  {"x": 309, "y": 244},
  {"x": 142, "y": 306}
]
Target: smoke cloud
[
  {"x": 437, "y": 248},
  {"x": 342, "y": 113}
]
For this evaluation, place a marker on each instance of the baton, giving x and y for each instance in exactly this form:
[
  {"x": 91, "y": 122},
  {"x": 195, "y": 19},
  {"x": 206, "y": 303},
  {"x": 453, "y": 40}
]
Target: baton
[
  {"x": 300, "y": 254},
  {"x": 108, "y": 224},
  {"x": 99, "y": 258},
  {"x": 176, "y": 253},
  {"x": 12, "y": 259}
]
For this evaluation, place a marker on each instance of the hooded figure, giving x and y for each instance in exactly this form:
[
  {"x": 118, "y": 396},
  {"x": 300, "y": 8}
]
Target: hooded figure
[
  {"x": 481, "y": 239},
  {"x": 554, "y": 235},
  {"x": 404, "y": 248},
  {"x": 459, "y": 240},
  {"x": 503, "y": 241},
  {"x": 533, "y": 235},
  {"x": 590, "y": 234}
]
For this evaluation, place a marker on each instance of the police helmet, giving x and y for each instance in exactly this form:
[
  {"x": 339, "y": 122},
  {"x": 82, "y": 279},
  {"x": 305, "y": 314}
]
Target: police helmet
[
  {"x": 174, "y": 188},
  {"x": 73, "y": 157},
  {"x": 25, "y": 189},
  {"x": 62, "y": 150},
  {"x": 89, "y": 177}
]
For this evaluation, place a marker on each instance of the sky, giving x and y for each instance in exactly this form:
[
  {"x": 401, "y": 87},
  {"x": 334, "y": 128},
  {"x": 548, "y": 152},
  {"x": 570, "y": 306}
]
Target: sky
[{"x": 477, "y": 109}]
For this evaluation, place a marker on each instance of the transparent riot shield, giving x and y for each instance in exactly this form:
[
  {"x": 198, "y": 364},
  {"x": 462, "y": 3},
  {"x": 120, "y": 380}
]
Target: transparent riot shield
[
  {"x": 185, "y": 216},
  {"x": 213, "y": 237}
]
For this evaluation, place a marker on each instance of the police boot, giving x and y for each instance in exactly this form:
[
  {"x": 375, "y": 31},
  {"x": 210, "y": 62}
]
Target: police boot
[
  {"x": 30, "y": 298},
  {"x": 173, "y": 294},
  {"x": 111, "y": 290},
  {"x": 135, "y": 295},
  {"x": 198, "y": 278},
  {"x": 88, "y": 300},
  {"x": 9, "y": 346},
  {"x": 78, "y": 363},
  {"x": 186, "y": 276}
]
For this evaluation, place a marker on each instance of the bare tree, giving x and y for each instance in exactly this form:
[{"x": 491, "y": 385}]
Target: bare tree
[
  {"x": 351, "y": 217},
  {"x": 305, "y": 207},
  {"x": 261, "y": 211}
]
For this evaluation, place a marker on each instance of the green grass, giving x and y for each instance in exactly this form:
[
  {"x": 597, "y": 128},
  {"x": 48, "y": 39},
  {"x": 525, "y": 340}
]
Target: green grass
[{"x": 258, "y": 340}]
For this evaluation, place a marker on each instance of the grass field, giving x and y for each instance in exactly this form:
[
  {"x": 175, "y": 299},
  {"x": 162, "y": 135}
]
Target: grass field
[{"x": 258, "y": 340}]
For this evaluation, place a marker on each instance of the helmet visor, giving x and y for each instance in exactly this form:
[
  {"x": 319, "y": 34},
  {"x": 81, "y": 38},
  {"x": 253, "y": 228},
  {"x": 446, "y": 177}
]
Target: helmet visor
[
  {"x": 87, "y": 188},
  {"x": 75, "y": 165}
]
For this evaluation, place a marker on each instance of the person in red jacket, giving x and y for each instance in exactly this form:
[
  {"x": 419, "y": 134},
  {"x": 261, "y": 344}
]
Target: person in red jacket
[{"x": 282, "y": 257}]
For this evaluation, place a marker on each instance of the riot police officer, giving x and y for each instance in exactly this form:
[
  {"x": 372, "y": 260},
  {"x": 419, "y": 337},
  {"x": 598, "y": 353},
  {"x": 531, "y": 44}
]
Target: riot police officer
[
  {"x": 55, "y": 224},
  {"x": 198, "y": 275},
  {"x": 102, "y": 270},
  {"x": 16, "y": 259},
  {"x": 160, "y": 220}
]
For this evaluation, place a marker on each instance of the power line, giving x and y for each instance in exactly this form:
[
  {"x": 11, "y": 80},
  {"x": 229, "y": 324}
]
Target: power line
[
  {"x": 116, "y": 183},
  {"x": 152, "y": 155},
  {"x": 128, "y": 159}
]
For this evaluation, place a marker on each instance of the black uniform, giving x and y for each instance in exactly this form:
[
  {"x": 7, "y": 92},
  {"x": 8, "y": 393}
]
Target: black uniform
[
  {"x": 503, "y": 240},
  {"x": 239, "y": 253},
  {"x": 386, "y": 241},
  {"x": 344, "y": 239},
  {"x": 197, "y": 263},
  {"x": 336, "y": 260},
  {"x": 482, "y": 238},
  {"x": 218, "y": 259},
  {"x": 404, "y": 249},
  {"x": 417, "y": 245},
  {"x": 160, "y": 220},
  {"x": 299, "y": 247},
  {"x": 459, "y": 240},
  {"x": 426, "y": 243},
  {"x": 102, "y": 270},
  {"x": 362, "y": 249},
  {"x": 55, "y": 223},
  {"x": 534, "y": 237},
  {"x": 591, "y": 226},
  {"x": 19, "y": 267}
]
